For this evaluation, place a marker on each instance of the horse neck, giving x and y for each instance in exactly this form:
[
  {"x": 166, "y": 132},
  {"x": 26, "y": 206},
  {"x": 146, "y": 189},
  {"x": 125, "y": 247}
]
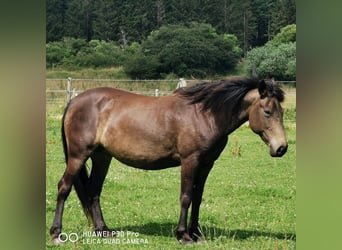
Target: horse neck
[{"x": 227, "y": 122}]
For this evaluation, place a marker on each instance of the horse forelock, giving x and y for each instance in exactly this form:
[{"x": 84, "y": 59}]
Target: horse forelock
[{"x": 274, "y": 90}]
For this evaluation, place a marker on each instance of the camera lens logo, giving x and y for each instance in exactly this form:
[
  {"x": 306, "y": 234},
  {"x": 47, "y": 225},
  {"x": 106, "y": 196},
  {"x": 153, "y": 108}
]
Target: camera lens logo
[{"x": 64, "y": 237}]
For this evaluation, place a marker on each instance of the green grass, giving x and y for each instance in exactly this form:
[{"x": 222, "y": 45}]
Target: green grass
[
  {"x": 104, "y": 73},
  {"x": 248, "y": 202},
  {"x": 119, "y": 73}
]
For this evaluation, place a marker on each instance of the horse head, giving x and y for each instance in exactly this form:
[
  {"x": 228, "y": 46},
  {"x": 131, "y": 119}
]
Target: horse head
[{"x": 266, "y": 117}]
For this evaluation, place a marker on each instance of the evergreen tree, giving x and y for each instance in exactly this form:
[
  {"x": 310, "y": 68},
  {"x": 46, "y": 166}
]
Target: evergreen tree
[
  {"x": 160, "y": 12},
  {"x": 105, "y": 20},
  {"x": 78, "y": 23},
  {"x": 252, "y": 22},
  {"x": 55, "y": 19},
  {"x": 283, "y": 13}
]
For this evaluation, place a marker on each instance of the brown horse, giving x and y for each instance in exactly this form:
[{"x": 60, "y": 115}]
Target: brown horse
[{"x": 190, "y": 128}]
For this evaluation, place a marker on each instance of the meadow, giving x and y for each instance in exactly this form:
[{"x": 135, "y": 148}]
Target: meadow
[{"x": 248, "y": 202}]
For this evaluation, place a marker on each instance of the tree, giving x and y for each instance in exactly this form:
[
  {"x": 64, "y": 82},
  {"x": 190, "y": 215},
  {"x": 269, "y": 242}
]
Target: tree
[
  {"x": 287, "y": 34},
  {"x": 248, "y": 25},
  {"x": 78, "y": 22},
  {"x": 55, "y": 19},
  {"x": 105, "y": 21},
  {"x": 191, "y": 50},
  {"x": 283, "y": 13},
  {"x": 235, "y": 17},
  {"x": 160, "y": 12},
  {"x": 253, "y": 22}
]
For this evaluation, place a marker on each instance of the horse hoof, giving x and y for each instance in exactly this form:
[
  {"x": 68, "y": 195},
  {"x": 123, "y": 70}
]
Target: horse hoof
[
  {"x": 185, "y": 240},
  {"x": 57, "y": 241}
]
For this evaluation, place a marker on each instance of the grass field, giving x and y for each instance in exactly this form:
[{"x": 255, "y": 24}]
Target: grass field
[{"x": 248, "y": 202}]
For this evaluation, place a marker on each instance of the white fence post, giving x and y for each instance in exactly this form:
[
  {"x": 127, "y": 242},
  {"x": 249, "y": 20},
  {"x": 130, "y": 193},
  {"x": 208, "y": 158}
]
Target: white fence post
[{"x": 69, "y": 91}]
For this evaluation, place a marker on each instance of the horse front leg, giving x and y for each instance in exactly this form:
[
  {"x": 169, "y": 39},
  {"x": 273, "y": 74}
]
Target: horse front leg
[
  {"x": 197, "y": 193},
  {"x": 198, "y": 186},
  {"x": 187, "y": 179}
]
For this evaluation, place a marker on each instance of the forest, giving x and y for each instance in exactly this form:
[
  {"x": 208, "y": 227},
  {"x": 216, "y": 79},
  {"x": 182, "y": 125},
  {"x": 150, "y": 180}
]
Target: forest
[{"x": 238, "y": 25}]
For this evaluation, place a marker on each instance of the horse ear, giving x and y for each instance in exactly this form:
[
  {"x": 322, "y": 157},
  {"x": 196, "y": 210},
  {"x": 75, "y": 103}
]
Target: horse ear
[{"x": 262, "y": 89}]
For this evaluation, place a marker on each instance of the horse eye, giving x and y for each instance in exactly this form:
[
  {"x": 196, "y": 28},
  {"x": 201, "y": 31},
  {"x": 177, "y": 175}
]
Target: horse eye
[{"x": 267, "y": 112}]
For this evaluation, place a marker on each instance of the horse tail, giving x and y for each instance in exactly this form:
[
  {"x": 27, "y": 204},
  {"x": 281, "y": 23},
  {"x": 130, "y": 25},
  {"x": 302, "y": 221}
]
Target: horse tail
[
  {"x": 65, "y": 146},
  {"x": 80, "y": 184},
  {"x": 82, "y": 178}
]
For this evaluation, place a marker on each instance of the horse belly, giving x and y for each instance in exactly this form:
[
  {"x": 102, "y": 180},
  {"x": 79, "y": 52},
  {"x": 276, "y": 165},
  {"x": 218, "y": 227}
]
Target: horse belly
[
  {"x": 144, "y": 160},
  {"x": 149, "y": 164},
  {"x": 143, "y": 153}
]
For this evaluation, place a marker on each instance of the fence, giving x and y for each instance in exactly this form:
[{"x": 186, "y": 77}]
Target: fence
[{"x": 62, "y": 90}]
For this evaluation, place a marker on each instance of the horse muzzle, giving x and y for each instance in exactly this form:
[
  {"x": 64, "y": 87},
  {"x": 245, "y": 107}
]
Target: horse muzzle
[
  {"x": 279, "y": 150},
  {"x": 278, "y": 146}
]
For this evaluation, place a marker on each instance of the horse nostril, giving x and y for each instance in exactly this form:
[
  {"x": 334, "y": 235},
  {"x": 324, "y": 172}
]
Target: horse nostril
[{"x": 281, "y": 150}]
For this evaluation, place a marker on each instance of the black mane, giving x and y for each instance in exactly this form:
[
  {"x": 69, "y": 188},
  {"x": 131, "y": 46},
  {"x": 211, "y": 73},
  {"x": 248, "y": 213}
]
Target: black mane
[{"x": 226, "y": 93}]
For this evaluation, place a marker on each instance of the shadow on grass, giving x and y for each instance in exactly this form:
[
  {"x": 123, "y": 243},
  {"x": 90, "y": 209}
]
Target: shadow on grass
[{"x": 167, "y": 229}]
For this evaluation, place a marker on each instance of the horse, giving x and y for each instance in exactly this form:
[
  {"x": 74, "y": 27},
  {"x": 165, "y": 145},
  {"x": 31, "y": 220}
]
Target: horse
[{"x": 188, "y": 128}]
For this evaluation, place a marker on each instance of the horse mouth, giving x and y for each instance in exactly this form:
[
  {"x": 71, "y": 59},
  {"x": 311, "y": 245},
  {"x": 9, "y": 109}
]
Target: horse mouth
[{"x": 264, "y": 139}]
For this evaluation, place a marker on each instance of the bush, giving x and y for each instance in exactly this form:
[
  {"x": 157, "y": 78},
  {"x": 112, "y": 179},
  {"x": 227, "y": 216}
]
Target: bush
[
  {"x": 73, "y": 53},
  {"x": 179, "y": 50},
  {"x": 273, "y": 61},
  {"x": 100, "y": 54},
  {"x": 140, "y": 66},
  {"x": 287, "y": 34},
  {"x": 277, "y": 58},
  {"x": 192, "y": 50},
  {"x": 54, "y": 54}
]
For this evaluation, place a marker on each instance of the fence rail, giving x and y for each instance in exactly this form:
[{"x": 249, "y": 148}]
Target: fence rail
[{"x": 62, "y": 90}]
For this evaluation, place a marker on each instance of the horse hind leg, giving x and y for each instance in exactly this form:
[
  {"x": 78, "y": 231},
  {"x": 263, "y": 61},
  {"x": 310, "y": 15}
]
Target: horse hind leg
[
  {"x": 100, "y": 164},
  {"x": 64, "y": 188}
]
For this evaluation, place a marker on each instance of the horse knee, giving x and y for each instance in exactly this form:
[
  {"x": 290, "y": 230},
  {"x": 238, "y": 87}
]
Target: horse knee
[
  {"x": 65, "y": 184},
  {"x": 185, "y": 200},
  {"x": 63, "y": 190}
]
